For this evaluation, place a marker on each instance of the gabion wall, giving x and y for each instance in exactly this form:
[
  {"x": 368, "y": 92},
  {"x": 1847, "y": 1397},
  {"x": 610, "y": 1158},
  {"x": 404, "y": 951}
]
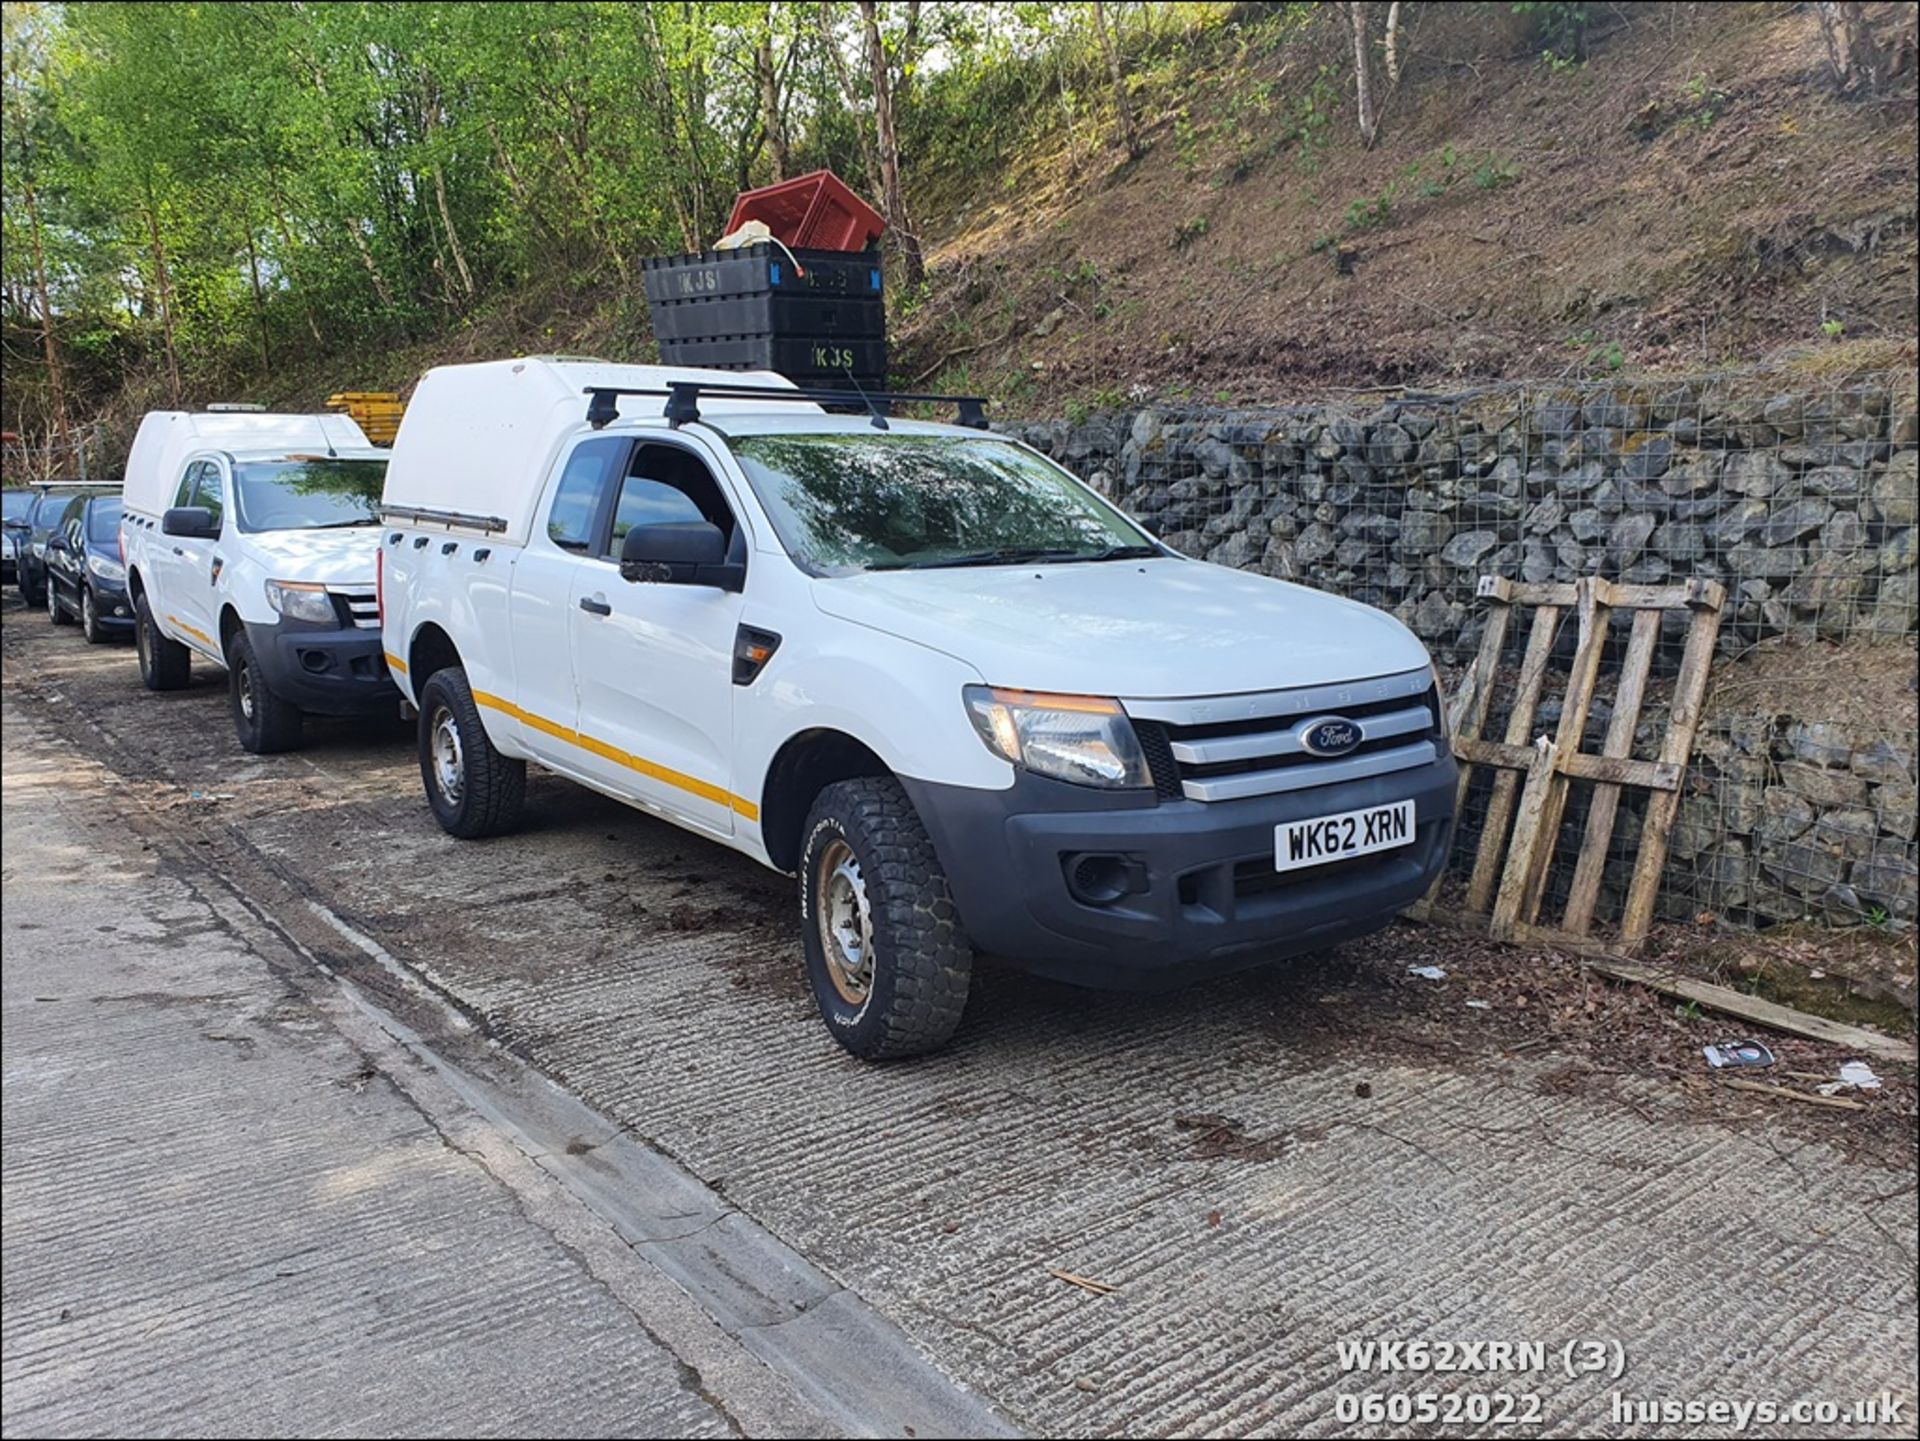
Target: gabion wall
[{"x": 1799, "y": 495}]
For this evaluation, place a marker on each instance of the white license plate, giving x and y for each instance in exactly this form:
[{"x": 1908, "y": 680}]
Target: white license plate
[{"x": 1334, "y": 838}]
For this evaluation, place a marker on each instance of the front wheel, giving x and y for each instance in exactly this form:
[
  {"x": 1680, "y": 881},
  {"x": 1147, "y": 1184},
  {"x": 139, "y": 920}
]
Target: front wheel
[
  {"x": 473, "y": 789},
  {"x": 56, "y": 612},
  {"x": 90, "y": 626},
  {"x": 887, "y": 957},
  {"x": 265, "y": 722},
  {"x": 164, "y": 663}
]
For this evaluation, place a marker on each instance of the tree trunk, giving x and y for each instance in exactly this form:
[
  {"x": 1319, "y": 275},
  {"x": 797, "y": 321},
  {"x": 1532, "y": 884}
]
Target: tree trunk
[
  {"x": 366, "y": 259},
  {"x": 869, "y": 157},
  {"x": 773, "y": 121},
  {"x": 1856, "y": 57},
  {"x": 166, "y": 293},
  {"x": 1121, "y": 101},
  {"x": 913, "y": 268},
  {"x": 259, "y": 303},
  {"x": 1363, "y": 72},
  {"x": 56, "y": 386},
  {"x": 1390, "y": 52},
  {"x": 435, "y": 123}
]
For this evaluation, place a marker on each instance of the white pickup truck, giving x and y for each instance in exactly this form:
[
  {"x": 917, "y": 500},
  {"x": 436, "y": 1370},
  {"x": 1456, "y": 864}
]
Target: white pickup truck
[
  {"x": 249, "y": 542},
  {"x": 970, "y": 704}
]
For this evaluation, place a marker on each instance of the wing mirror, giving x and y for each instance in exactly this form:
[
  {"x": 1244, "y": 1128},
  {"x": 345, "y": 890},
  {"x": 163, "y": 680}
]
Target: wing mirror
[
  {"x": 194, "y": 522},
  {"x": 690, "y": 552}
]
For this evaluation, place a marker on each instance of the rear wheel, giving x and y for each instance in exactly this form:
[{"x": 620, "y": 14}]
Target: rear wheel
[
  {"x": 164, "y": 663},
  {"x": 473, "y": 789},
  {"x": 56, "y": 612},
  {"x": 265, "y": 722},
  {"x": 886, "y": 955},
  {"x": 90, "y": 625}
]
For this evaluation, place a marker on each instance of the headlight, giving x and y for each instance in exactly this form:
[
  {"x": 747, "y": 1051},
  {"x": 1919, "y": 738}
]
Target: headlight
[
  {"x": 1087, "y": 740},
  {"x": 108, "y": 570},
  {"x": 301, "y": 600}
]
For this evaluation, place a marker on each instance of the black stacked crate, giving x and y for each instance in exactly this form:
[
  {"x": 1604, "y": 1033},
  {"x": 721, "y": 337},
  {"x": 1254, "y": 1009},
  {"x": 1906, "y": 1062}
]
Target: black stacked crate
[{"x": 822, "y": 322}]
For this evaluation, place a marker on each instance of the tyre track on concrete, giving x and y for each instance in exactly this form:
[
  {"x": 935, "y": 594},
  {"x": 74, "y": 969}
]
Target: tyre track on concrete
[
  {"x": 849, "y": 1362},
  {"x": 1461, "y": 1199}
]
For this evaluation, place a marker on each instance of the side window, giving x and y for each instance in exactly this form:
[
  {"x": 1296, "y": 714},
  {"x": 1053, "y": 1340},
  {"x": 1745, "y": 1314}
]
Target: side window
[
  {"x": 665, "y": 483},
  {"x": 207, "y": 492},
  {"x": 582, "y": 488},
  {"x": 184, "y": 495}
]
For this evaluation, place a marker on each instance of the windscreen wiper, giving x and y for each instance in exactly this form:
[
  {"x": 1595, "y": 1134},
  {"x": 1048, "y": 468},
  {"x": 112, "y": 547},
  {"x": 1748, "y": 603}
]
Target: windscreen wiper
[{"x": 342, "y": 524}]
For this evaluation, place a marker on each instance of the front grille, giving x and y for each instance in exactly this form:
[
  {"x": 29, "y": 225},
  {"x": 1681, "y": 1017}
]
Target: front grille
[
  {"x": 362, "y": 607},
  {"x": 1218, "y": 748}
]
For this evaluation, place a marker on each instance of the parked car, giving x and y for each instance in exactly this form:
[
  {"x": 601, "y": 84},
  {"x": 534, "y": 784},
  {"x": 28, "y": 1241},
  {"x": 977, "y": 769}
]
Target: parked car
[
  {"x": 13, "y": 520},
  {"x": 86, "y": 575},
  {"x": 43, "y": 517},
  {"x": 971, "y": 705},
  {"x": 250, "y": 543}
]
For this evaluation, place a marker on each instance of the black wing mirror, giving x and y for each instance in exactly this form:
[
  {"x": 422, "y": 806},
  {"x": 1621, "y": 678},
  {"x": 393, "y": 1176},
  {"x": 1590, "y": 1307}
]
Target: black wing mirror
[
  {"x": 680, "y": 552},
  {"x": 194, "y": 522}
]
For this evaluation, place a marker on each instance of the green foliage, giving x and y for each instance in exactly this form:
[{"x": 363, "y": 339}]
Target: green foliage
[
  {"x": 1561, "y": 27},
  {"x": 1189, "y": 230},
  {"x": 1833, "y": 329},
  {"x": 1705, "y": 102}
]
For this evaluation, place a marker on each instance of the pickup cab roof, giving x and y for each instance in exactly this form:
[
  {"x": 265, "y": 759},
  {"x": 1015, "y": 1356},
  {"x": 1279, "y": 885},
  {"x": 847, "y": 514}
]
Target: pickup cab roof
[
  {"x": 167, "y": 437},
  {"x": 478, "y": 440}
]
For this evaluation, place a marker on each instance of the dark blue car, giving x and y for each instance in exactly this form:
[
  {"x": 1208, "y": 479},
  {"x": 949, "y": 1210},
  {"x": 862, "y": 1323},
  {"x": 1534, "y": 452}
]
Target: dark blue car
[{"x": 86, "y": 577}]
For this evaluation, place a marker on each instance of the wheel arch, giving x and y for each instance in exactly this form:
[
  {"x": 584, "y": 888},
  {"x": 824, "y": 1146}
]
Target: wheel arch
[{"x": 805, "y": 765}]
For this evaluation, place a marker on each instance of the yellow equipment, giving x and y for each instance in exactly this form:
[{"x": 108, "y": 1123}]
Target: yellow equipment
[{"x": 377, "y": 412}]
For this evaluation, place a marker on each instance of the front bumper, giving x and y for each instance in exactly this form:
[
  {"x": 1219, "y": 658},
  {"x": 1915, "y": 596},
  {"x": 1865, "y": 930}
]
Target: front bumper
[
  {"x": 1208, "y": 899},
  {"x": 111, "y": 606},
  {"x": 325, "y": 672}
]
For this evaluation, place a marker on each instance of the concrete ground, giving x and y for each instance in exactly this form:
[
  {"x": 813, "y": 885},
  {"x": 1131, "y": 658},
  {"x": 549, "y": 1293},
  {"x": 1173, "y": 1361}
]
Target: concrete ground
[{"x": 1261, "y": 1169}]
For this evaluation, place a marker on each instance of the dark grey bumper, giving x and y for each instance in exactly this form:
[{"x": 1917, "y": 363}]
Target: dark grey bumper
[
  {"x": 325, "y": 672},
  {"x": 1206, "y": 900}
]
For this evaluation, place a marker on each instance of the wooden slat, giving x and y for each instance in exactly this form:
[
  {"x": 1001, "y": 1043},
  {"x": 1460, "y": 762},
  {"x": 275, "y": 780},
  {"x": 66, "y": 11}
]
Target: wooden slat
[
  {"x": 1493, "y": 753},
  {"x": 1592, "y": 864},
  {"x": 1749, "y": 1008},
  {"x": 1526, "y": 701},
  {"x": 1618, "y": 771},
  {"x": 1694, "y": 594},
  {"x": 1683, "y": 721},
  {"x": 1536, "y": 821},
  {"x": 1609, "y": 770}
]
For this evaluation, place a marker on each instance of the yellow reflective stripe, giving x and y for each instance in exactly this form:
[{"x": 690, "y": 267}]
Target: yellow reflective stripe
[
  {"x": 706, "y": 790},
  {"x": 395, "y": 663},
  {"x": 200, "y": 636}
]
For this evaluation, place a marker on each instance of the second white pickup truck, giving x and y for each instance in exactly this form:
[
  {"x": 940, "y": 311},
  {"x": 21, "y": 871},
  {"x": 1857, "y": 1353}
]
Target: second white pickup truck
[
  {"x": 969, "y": 703},
  {"x": 249, "y": 543}
]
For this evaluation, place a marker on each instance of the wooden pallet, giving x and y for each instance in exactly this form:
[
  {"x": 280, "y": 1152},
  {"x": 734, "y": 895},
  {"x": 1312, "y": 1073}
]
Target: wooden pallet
[{"x": 1529, "y": 796}]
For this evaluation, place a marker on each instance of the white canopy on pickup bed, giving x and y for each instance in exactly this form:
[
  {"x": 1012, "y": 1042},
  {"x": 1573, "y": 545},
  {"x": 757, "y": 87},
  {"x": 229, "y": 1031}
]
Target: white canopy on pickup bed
[
  {"x": 167, "y": 437},
  {"x": 478, "y": 441}
]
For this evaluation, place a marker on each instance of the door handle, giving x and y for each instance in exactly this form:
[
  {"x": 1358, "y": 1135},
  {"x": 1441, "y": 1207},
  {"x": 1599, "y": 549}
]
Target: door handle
[
  {"x": 593, "y": 605},
  {"x": 178, "y": 551}
]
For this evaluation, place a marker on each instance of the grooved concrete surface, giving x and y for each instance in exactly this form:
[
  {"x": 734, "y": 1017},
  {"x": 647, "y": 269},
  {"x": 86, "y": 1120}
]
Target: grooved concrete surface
[
  {"x": 220, "y": 1221},
  {"x": 1463, "y": 1198}
]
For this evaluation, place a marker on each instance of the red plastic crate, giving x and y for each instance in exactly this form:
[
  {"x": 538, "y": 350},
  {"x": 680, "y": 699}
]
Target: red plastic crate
[{"x": 812, "y": 212}]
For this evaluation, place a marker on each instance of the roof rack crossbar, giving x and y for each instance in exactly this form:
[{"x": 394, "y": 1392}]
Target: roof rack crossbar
[{"x": 683, "y": 400}]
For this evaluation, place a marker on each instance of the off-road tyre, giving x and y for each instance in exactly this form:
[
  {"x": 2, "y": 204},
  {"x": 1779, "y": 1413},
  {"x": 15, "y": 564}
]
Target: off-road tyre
[
  {"x": 921, "y": 960},
  {"x": 490, "y": 790},
  {"x": 165, "y": 664},
  {"x": 265, "y": 722}
]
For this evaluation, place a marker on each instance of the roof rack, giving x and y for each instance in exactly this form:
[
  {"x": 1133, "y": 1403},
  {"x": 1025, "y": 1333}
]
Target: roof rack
[{"x": 683, "y": 400}]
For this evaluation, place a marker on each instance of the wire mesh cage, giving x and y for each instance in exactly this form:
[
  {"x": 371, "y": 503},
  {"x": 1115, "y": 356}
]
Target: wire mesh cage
[{"x": 1794, "y": 491}]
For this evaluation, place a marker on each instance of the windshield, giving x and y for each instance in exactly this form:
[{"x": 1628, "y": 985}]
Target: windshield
[
  {"x": 18, "y": 503},
  {"x": 46, "y": 510},
  {"x": 103, "y": 520},
  {"x": 847, "y": 503},
  {"x": 309, "y": 494}
]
